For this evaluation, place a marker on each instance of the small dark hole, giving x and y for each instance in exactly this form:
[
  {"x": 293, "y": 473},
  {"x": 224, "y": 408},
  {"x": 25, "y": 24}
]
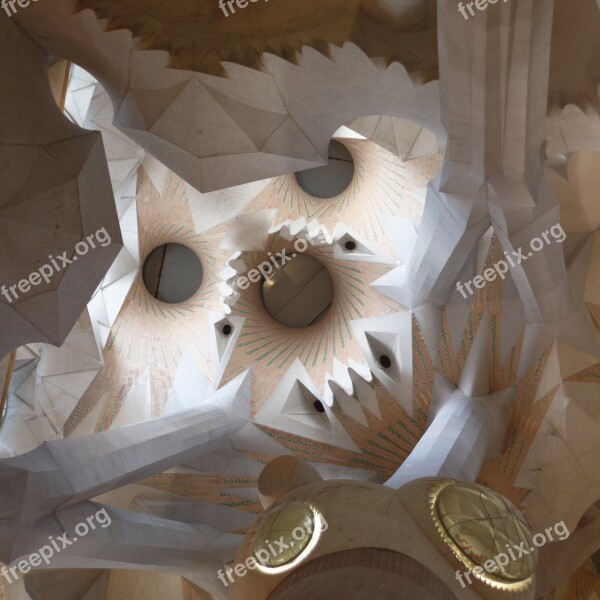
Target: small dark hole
[
  {"x": 385, "y": 361},
  {"x": 319, "y": 406},
  {"x": 350, "y": 245},
  {"x": 227, "y": 329}
]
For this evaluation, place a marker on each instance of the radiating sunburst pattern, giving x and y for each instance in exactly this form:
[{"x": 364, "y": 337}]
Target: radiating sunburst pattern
[
  {"x": 270, "y": 348},
  {"x": 527, "y": 414},
  {"x": 150, "y": 334},
  {"x": 386, "y": 442},
  {"x": 382, "y": 185},
  {"x": 528, "y": 410}
]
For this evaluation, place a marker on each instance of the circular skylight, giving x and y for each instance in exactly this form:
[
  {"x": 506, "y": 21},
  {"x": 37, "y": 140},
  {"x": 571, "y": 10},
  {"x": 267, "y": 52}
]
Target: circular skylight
[
  {"x": 298, "y": 293},
  {"x": 172, "y": 273},
  {"x": 332, "y": 179}
]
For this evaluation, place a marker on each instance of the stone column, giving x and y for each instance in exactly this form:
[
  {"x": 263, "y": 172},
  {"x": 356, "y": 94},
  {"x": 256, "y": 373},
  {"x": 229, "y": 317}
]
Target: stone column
[
  {"x": 494, "y": 67},
  {"x": 464, "y": 432}
]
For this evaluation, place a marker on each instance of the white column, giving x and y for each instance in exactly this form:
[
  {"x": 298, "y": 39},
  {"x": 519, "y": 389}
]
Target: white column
[{"x": 465, "y": 432}]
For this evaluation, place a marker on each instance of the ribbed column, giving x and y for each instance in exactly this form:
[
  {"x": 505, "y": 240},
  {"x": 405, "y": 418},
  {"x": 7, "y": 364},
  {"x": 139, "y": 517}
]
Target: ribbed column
[{"x": 494, "y": 67}]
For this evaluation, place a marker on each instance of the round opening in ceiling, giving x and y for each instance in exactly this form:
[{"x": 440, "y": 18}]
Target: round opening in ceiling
[
  {"x": 172, "y": 273},
  {"x": 332, "y": 179},
  {"x": 385, "y": 361},
  {"x": 299, "y": 292}
]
